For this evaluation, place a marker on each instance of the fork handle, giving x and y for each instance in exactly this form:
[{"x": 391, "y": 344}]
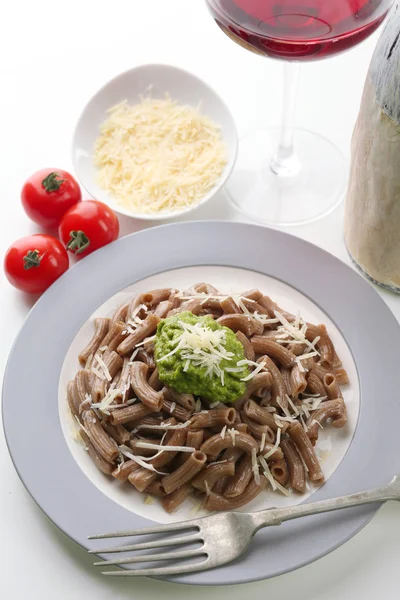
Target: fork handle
[{"x": 276, "y": 516}]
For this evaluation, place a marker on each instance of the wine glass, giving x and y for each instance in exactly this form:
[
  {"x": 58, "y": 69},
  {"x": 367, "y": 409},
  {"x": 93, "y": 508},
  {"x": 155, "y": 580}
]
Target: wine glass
[{"x": 288, "y": 175}]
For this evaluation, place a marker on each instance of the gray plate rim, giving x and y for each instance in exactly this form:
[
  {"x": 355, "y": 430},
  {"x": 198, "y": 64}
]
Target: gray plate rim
[{"x": 36, "y": 443}]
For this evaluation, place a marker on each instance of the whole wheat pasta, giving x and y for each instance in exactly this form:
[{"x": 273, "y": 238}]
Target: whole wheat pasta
[
  {"x": 177, "y": 438},
  {"x": 259, "y": 414},
  {"x": 185, "y": 472},
  {"x": 103, "y": 465},
  {"x": 103, "y": 444},
  {"x": 79, "y": 391},
  {"x": 185, "y": 400},
  {"x": 247, "y": 325},
  {"x": 144, "y": 330},
  {"x": 176, "y": 410},
  {"x": 147, "y": 358},
  {"x": 130, "y": 413},
  {"x": 231, "y": 455},
  {"x": 297, "y": 472},
  {"x": 278, "y": 388},
  {"x": 331, "y": 409},
  {"x": 142, "y": 389},
  {"x": 298, "y": 381},
  {"x": 228, "y": 306},
  {"x": 306, "y": 450},
  {"x": 140, "y": 299},
  {"x": 194, "y": 306},
  {"x": 315, "y": 385},
  {"x": 101, "y": 328},
  {"x": 141, "y": 478},
  {"x": 341, "y": 375},
  {"x": 158, "y": 296},
  {"x": 264, "y": 345},
  {"x": 155, "y": 488},
  {"x": 176, "y": 498},
  {"x": 154, "y": 381},
  {"x": 113, "y": 362},
  {"x": 213, "y": 417},
  {"x": 170, "y": 444},
  {"x": 259, "y": 430},
  {"x": 324, "y": 345},
  {"x": 241, "y": 478},
  {"x": 209, "y": 476},
  {"x": 254, "y": 295},
  {"x": 119, "y": 314},
  {"x": 240, "y": 427},
  {"x": 280, "y": 471},
  {"x": 247, "y": 347},
  {"x": 74, "y": 408},
  {"x": 214, "y": 445},
  {"x": 116, "y": 432},
  {"x": 331, "y": 386},
  {"x": 123, "y": 471},
  {"x": 163, "y": 309},
  {"x": 217, "y": 502}
]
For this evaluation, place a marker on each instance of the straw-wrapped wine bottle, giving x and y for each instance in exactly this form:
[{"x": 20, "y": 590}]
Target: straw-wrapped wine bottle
[{"x": 372, "y": 215}]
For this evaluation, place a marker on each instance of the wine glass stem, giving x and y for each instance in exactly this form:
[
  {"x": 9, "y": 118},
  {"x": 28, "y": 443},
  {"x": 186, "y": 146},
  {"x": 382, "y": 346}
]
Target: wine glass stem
[{"x": 285, "y": 162}]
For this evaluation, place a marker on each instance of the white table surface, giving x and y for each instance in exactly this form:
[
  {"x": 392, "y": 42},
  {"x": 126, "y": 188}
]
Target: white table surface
[{"x": 54, "y": 56}]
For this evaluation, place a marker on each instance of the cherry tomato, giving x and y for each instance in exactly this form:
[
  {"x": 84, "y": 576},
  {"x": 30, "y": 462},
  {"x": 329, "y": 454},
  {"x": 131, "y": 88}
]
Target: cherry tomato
[
  {"x": 87, "y": 227},
  {"x": 34, "y": 262},
  {"x": 48, "y": 194}
]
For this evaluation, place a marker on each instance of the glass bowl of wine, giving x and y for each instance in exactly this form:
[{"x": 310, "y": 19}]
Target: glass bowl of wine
[{"x": 287, "y": 175}]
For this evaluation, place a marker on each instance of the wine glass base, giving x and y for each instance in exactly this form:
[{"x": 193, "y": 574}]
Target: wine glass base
[{"x": 280, "y": 200}]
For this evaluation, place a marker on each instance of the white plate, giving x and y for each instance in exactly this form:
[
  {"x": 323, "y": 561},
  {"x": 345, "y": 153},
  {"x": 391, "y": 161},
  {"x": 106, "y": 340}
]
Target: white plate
[
  {"x": 160, "y": 79},
  {"x": 81, "y": 501}
]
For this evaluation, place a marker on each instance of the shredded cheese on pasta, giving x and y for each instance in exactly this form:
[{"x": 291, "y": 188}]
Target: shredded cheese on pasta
[{"x": 158, "y": 156}]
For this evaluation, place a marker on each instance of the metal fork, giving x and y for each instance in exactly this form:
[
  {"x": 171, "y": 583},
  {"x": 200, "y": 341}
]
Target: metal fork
[{"x": 221, "y": 537}]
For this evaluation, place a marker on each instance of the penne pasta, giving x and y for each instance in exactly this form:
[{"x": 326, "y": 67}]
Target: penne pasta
[
  {"x": 331, "y": 409},
  {"x": 185, "y": 400},
  {"x": 103, "y": 465},
  {"x": 264, "y": 345},
  {"x": 217, "y": 502},
  {"x": 208, "y": 477},
  {"x": 185, "y": 472},
  {"x": 237, "y": 322},
  {"x": 306, "y": 451},
  {"x": 101, "y": 328},
  {"x": 171, "y": 501},
  {"x": 241, "y": 479},
  {"x": 297, "y": 472},
  {"x": 129, "y": 414},
  {"x": 103, "y": 444},
  {"x": 331, "y": 386},
  {"x": 279, "y": 470},
  {"x": 142, "y": 389},
  {"x": 215, "y": 444},
  {"x": 298, "y": 381},
  {"x": 144, "y": 330},
  {"x": 247, "y": 346},
  {"x": 123, "y": 471},
  {"x": 171, "y": 445},
  {"x": 213, "y": 417}
]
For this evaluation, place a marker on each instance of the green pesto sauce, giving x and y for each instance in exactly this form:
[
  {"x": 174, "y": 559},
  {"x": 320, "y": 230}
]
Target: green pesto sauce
[{"x": 195, "y": 380}]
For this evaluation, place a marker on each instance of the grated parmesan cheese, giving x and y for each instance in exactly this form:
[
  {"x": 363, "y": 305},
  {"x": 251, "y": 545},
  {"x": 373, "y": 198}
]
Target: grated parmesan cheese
[{"x": 158, "y": 156}]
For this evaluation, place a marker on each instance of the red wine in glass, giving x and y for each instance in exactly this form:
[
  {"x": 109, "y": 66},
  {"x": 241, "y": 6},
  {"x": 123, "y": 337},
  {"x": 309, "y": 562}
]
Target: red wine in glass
[{"x": 298, "y": 30}]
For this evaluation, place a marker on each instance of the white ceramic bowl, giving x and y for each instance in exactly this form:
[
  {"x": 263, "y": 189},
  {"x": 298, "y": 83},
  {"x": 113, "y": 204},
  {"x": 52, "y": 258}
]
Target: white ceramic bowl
[{"x": 183, "y": 87}]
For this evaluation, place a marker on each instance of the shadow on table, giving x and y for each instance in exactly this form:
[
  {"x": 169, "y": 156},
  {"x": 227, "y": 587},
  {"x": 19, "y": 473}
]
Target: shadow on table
[{"x": 311, "y": 582}]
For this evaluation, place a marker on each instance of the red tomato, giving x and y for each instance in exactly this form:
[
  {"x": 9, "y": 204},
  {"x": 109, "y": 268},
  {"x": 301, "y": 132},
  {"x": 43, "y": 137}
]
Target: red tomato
[
  {"x": 48, "y": 194},
  {"x": 87, "y": 227},
  {"x": 34, "y": 262}
]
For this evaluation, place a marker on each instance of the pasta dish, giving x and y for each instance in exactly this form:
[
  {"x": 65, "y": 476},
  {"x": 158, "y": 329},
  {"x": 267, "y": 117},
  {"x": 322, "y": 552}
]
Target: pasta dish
[{"x": 199, "y": 393}]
